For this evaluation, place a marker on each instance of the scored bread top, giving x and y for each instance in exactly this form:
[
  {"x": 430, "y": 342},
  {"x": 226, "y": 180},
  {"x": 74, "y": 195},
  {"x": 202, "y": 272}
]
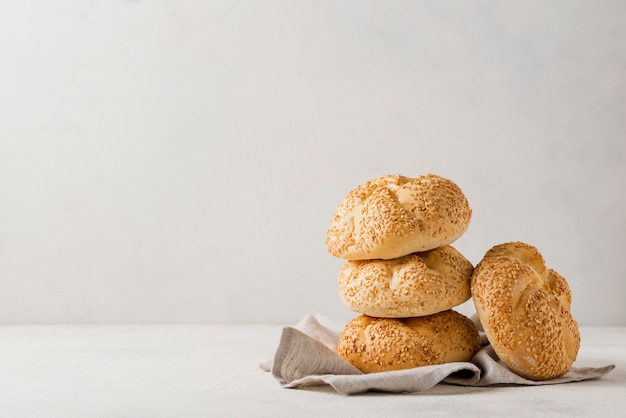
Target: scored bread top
[
  {"x": 392, "y": 216},
  {"x": 414, "y": 285},
  {"x": 524, "y": 308}
]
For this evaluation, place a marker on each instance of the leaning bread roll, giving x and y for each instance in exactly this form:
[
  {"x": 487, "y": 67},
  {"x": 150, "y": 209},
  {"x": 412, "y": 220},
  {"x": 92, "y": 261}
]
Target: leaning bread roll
[
  {"x": 392, "y": 216},
  {"x": 414, "y": 285},
  {"x": 384, "y": 344},
  {"x": 524, "y": 308}
]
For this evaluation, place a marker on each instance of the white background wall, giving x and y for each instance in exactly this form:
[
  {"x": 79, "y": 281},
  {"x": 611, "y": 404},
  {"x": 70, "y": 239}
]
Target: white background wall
[{"x": 166, "y": 161}]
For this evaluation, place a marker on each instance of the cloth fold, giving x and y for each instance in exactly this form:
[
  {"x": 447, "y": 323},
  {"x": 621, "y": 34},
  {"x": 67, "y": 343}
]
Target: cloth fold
[{"x": 306, "y": 356}]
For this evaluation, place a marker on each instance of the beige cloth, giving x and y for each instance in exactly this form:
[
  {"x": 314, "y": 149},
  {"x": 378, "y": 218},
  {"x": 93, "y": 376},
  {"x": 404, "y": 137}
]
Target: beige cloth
[{"x": 306, "y": 356}]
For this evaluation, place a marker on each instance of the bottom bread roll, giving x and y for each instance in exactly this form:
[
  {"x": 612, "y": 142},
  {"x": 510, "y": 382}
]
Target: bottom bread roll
[{"x": 385, "y": 344}]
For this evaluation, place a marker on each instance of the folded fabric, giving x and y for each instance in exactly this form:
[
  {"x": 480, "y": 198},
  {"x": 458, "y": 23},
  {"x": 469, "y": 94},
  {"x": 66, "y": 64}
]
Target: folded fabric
[{"x": 306, "y": 356}]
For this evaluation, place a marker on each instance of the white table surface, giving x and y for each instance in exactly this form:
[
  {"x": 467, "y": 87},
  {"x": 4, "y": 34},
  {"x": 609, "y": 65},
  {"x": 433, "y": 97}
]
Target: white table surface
[{"x": 213, "y": 371}]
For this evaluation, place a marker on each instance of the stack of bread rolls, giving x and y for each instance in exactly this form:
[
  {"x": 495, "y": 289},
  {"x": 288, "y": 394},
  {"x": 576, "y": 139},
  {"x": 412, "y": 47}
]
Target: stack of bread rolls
[{"x": 402, "y": 275}]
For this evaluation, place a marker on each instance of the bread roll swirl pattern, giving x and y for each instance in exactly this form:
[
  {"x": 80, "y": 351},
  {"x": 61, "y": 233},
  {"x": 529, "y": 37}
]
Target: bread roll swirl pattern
[
  {"x": 414, "y": 285},
  {"x": 524, "y": 308},
  {"x": 392, "y": 216}
]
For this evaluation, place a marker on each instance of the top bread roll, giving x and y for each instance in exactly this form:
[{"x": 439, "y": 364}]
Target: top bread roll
[
  {"x": 524, "y": 308},
  {"x": 392, "y": 216}
]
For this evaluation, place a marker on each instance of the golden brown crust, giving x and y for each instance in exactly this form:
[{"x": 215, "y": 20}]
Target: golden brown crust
[
  {"x": 524, "y": 308},
  {"x": 414, "y": 285},
  {"x": 384, "y": 344},
  {"x": 392, "y": 216}
]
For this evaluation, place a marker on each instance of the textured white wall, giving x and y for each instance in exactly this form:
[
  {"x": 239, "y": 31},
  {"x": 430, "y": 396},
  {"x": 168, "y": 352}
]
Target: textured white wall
[{"x": 180, "y": 160}]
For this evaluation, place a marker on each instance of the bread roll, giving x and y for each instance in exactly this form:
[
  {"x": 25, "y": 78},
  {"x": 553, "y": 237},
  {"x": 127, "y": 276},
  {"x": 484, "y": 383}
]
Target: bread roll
[
  {"x": 392, "y": 216},
  {"x": 384, "y": 344},
  {"x": 524, "y": 308},
  {"x": 414, "y": 285}
]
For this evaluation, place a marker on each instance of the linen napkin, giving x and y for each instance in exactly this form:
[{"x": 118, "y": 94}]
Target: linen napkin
[{"x": 306, "y": 356}]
